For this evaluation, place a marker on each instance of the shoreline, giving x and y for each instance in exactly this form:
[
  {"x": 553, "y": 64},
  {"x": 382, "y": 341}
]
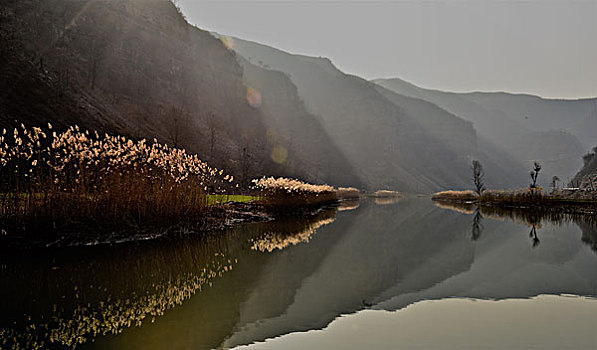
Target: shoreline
[
  {"x": 220, "y": 218},
  {"x": 545, "y": 206}
]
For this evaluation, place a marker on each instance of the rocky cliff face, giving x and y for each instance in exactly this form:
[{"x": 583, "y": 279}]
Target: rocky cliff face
[
  {"x": 137, "y": 68},
  {"x": 298, "y": 137},
  {"x": 586, "y": 178},
  {"x": 391, "y": 141}
]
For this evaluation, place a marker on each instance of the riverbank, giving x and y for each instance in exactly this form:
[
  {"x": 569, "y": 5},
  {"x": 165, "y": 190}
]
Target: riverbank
[
  {"x": 567, "y": 201},
  {"x": 77, "y": 187},
  {"x": 217, "y": 218}
]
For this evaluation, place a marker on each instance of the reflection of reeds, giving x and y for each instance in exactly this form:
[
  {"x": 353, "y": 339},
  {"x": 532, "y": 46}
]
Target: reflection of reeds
[
  {"x": 347, "y": 205},
  {"x": 112, "y": 316},
  {"x": 292, "y": 233},
  {"x": 532, "y": 217},
  {"x": 78, "y": 176},
  {"x": 461, "y": 207},
  {"x": 387, "y": 200}
]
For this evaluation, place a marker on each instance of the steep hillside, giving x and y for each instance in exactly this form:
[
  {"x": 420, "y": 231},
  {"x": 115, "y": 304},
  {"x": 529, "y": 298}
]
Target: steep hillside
[
  {"x": 295, "y": 132},
  {"x": 137, "y": 68},
  {"x": 385, "y": 143},
  {"x": 586, "y": 178},
  {"x": 577, "y": 117},
  {"x": 501, "y": 121},
  {"x": 460, "y": 137}
]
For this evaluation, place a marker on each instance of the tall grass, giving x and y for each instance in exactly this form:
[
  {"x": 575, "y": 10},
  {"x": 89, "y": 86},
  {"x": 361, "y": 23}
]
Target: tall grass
[
  {"x": 520, "y": 197},
  {"x": 286, "y": 195},
  {"x": 53, "y": 180},
  {"x": 456, "y": 196}
]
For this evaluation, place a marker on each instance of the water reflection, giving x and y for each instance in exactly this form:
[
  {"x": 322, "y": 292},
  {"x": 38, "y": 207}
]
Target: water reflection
[
  {"x": 287, "y": 233},
  {"x": 70, "y": 297},
  {"x": 526, "y": 216},
  {"x": 263, "y": 280},
  {"x": 477, "y": 228}
]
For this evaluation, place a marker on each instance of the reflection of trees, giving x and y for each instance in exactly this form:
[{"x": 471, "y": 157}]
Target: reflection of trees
[
  {"x": 477, "y": 228},
  {"x": 532, "y": 217},
  {"x": 589, "y": 233},
  {"x": 533, "y": 235}
]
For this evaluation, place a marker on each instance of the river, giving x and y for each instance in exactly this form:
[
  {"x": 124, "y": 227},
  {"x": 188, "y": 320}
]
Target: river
[{"x": 385, "y": 274}]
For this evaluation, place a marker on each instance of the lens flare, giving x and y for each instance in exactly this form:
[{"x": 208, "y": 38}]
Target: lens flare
[
  {"x": 279, "y": 154},
  {"x": 254, "y": 98}
]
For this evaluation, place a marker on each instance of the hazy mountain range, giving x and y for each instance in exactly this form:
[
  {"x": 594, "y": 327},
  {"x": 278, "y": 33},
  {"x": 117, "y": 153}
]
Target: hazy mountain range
[{"x": 138, "y": 68}]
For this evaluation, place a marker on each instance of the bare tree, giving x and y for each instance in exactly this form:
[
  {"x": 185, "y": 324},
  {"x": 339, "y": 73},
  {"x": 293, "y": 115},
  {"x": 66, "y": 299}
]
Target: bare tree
[
  {"x": 478, "y": 177},
  {"x": 534, "y": 174},
  {"x": 554, "y": 182},
  {"x": 177, "y": 124}
]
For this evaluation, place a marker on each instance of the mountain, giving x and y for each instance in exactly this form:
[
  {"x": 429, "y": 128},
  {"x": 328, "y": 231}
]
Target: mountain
[
  {"x": 586, "y": 178},
  {"x": 137, "y": 68},
  {"x": 293, "y": 130},
  {"x": 391, "y": 141},
  {"x": 554, "y": 132}
]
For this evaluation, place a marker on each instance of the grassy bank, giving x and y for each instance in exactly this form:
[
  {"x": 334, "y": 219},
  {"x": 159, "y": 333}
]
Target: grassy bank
[
  {"x": 78, "y": 183},
  {"x": 287, "y": 196},
  {"x": 521, "y": 197}
]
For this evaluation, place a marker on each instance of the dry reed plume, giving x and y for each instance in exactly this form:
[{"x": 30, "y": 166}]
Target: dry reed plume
[
  {"x": 287, "y": 194},
  {"x": 52, "y": 180}
]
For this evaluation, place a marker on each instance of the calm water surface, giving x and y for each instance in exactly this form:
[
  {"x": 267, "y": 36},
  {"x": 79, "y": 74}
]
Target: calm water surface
[{"x": 406, "y": 274}]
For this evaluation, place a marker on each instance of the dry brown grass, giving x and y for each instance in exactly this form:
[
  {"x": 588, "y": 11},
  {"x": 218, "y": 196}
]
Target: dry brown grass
[
  {"x": 515, "y": 197},
  {"x": 457, "y": 196},
  {"x": 51, "y": 180},
  {"x": 348, "y": 193},
  {"x": 525, "y": 196},
  {"x": 385, "y": 194},
  {"x": 286, "y": 195}
]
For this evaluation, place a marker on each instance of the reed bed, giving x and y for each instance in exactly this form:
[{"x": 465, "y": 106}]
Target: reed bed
[
  {"x": 455, "y": 196},
  {"x": 348, "y": 193},
  {"x": 385, "y": 194},
  {"x": 51, "y": 180},
  {"x": 285, "y": 195},
  {"x": 515, "y": 197},
  {"x": 520, "y": 197}
]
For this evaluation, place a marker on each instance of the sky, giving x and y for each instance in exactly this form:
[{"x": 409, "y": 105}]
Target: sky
[{"x": 546, "y": 48}]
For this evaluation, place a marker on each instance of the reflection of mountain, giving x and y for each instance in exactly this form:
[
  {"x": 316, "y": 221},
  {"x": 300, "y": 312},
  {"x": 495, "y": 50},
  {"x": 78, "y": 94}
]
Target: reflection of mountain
[
  {"x": 383, "y": 245},
  {"x": 385, "y": 256},
  {"x": 393, "y": 256}
]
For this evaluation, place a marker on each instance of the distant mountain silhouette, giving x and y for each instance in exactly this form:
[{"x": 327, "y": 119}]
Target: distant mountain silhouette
[
  {"x": 554, "y": 132},
  {"x": 390, "y": 140}
]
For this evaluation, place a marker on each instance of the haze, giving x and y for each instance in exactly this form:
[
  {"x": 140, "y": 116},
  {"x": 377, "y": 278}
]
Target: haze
[{"x": 543, "y": 48}]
